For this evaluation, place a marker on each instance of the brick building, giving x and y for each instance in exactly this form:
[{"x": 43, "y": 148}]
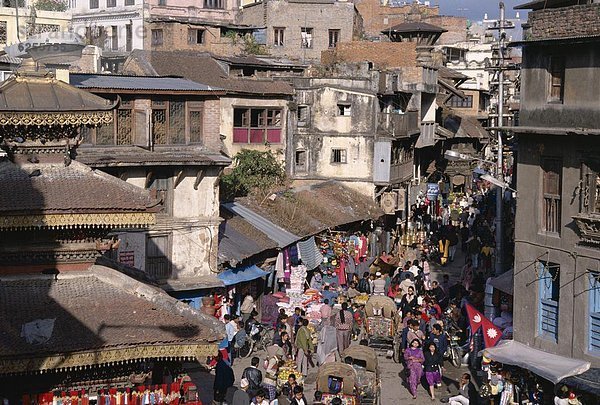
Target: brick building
[{"x": 301, "y": 29}]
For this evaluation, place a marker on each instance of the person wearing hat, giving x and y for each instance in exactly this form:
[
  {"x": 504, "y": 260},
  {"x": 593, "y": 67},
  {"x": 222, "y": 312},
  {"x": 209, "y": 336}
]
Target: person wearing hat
[
  {"x": 379, "y": 284},
  {"x": 275, "y": 354},
  {"x": 241, "y": 396}
]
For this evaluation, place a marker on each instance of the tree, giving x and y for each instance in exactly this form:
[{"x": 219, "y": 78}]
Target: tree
[{"x": 253, "y": 172}]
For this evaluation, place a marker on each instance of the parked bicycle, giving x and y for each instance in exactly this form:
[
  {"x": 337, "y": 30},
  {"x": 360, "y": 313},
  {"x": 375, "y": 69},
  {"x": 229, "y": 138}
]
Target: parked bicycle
[{"x": 261, "y": 336}]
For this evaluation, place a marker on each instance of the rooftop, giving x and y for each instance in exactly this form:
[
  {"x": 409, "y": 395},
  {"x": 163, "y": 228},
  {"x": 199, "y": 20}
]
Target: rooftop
[
  {"x": 121, "y": 82},
  {"x": 415, "y": 27},
  {"x": 85, "y": 318}
]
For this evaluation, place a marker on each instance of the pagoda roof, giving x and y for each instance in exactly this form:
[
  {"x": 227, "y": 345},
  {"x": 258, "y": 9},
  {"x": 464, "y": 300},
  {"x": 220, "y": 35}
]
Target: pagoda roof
[
  {"x": 52, "y": 194},
  {"x": 96, "y": 317},
  {"x": 38, "y": 98},
  {"x": 418, "y": 26}
]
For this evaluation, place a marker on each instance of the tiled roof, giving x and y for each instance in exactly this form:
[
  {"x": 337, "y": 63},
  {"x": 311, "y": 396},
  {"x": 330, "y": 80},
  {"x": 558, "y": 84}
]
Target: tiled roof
[
  {"x": 448, "y": 73},
  {"x": 41, "y": 92},
  {"x": 100, "y": 81},
  {"x": 93, "y": 311},
  {"x": 317, "y": 207},
  {"x": 133, "y": 156},
  {"x": 56, "y": 188},
  {"x": 201, "y": 68}
]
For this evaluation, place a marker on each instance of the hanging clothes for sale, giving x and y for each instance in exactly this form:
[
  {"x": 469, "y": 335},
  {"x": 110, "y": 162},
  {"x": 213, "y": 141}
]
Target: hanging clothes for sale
[
  {"x": 310, "y": 254},
  {"x": 279, "y": 266},
  {"x": 341, "y": 271}
]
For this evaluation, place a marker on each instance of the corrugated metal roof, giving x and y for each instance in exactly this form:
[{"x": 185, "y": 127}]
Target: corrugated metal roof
[
  {"x": 274, "y": 232},
  {"x": 95, "y": 81},
  {"x": 239, "y": 240}
]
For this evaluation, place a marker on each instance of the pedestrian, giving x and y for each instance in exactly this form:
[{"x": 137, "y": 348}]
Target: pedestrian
[
  {"x": 224, "y": 379},
  {"x": 343, "y": 324},
  {"x": 325, "y": 311},
  {"x": 261, "y": 398},
  {"x": 241, "y": 396},
  {"x": 318, "y": 398},
  {"x": 231, "y": 329},
  {"x": 299, "y": 398},
  {"x": 304, "y": 346},
  {"x": 253, "y": 375},
  {"x": 247, "y": 307},
  {"x": 466, "y": 392},
  {"x": 379, "y": 284},
  {"x": 364, "y": 286},
  {"x": 286, "y": 345},
  {"x": 433, "y": 365},
  {"x": 414, "y": 358},
  {"x": 438, "y": 338},
  {"x": 408, "y": 303}
]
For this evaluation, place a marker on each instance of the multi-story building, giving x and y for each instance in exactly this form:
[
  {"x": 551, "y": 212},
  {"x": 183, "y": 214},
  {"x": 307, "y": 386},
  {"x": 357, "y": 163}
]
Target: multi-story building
[
  {"x": 557, "y": 235},
  {"x": 302, "y": 29},
  {"x": 46, "y": 18}
]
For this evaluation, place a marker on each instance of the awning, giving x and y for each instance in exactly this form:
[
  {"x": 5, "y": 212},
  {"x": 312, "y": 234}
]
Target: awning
[
  {"x": 549, "y": 366},
  {"x": 587, "y": 382},
  {"x": 504, "y": 282},
  {"x": 242, "y": 274}
]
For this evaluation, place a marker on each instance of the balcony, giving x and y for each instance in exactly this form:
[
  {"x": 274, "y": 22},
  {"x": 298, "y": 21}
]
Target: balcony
[
  {"x": 399, "y": 125},
  {"x": 589, "y": 228},
  {"x": 400, "y": 172}
]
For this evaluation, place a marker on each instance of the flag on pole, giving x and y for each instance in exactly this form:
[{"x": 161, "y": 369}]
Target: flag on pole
[
  {"x": 475, "y": 318},
  {"x": 491, "y": 333}
]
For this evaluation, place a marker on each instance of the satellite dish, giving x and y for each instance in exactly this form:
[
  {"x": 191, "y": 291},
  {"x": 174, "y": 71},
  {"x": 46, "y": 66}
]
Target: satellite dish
[{"x": 49, "y": 48}]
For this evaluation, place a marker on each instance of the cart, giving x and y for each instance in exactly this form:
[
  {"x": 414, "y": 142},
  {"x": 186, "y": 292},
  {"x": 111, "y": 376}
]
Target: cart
[
  {"x": 364, "y": 361},
  {"x": 338, "y": 380},
  {"x": 381, "y": 323}
]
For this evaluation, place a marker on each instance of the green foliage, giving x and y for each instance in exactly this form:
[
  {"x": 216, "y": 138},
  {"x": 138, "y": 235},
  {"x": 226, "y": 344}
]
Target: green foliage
[
  {"x": 51, "y": 5},
  {"x": 251, "y": 47},
  {"x": 253, "y": 172}
]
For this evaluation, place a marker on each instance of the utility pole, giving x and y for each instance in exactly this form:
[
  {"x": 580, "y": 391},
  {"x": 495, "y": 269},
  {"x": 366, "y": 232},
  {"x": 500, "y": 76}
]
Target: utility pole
[{"x": 501, "y": 25}]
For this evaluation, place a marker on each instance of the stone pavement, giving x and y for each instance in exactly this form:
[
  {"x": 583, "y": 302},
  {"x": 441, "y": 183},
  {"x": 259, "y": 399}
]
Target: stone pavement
[{"x": 393, "y": 387}]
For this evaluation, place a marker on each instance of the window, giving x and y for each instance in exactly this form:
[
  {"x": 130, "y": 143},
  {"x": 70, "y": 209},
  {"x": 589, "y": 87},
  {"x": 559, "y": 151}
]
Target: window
[
  {"x": 257, "y": 125},
  {"x": 552, "y": 169},
  {"x": 338, "y": 156},
  {"x": 114, "y": 36},
  {"x": 594, "y": 320},
  {"x": 549, "y": 289},
  {"x": 129, "y": 2},
  {"x": 278, "y": 33},
  {"x": 457, "y": 102},
  {"x": 111, "y": 3},
  {"x": 303, "y": 112},
  {"x": 557, "y": 79},
  {"x": 93, "y": 3},
  {"x": 307, "y": 37},
  {"x": 168, "y": 122},
  {"x": 219, "y": 4},
  {"x": 158, "y": 250},
  {"x": 72, "y": 3},
  {"x": 3, "y": 25},
  {"x": 300, "y": 160},
  {"x": 162, "y": 2},
  {"x": 590, "y": 187},
  {"x": 195, "y": 36},
  {"x": 157, "y": 37},
  {"x": 344, "y": 109},
  {"x": 334, "y": 38},
  {"x": 128, "y": 37}
]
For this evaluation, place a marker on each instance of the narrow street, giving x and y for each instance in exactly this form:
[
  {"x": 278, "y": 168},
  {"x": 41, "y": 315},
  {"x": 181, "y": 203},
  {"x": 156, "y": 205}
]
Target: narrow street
[{"x": 393, "y": 386}]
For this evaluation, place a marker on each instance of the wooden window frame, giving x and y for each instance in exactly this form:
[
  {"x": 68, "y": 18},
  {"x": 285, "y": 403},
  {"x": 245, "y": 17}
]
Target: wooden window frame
[
  {"x": 193, "y": 36},
  {"x": 255, "y": 119},
  {"x": 551, "y": 204},
  {"x": 556, "y": 79},
  {"x": 307, "y": 37},
  {"x": 548, "y": 307},
  {"x": 166, "y": 255},
  {"x": 278, "y": 36},
  {"x": 94, "y": 4},
  {"x": 590, "y": 186},
  {"x": 155, "y": 38},
  {"x": 334, "y": 37}
]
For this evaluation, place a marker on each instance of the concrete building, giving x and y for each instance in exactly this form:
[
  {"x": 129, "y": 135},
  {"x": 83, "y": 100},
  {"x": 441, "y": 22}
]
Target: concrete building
[
  {"x": 557, "y": 236},
  {"x": 45, "y": 19},
  {"x": 300, "y": 29},
  {"x": 164, "y": 138}
]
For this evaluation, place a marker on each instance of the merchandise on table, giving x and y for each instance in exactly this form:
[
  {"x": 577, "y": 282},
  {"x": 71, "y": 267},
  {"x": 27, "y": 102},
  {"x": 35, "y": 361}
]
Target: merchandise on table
[{"x": 346, "y": 399}]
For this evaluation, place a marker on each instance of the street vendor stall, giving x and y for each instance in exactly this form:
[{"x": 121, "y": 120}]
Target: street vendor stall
[
  {"x": 338, "y": 380},
  {"x": 364, "y": 361}
]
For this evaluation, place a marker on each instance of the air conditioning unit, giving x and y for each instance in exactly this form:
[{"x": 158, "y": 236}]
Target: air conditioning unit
[{"x": 389, "y": 202}]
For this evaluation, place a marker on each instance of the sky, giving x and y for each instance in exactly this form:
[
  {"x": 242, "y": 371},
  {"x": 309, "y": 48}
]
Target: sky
[{"x": 475, "y": 9}]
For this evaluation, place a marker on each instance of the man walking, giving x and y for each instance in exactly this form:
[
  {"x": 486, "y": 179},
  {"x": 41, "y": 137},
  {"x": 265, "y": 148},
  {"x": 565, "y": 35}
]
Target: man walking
[
  {"x": 305, "y": 347},
  {"x": 343, "y": 323}
]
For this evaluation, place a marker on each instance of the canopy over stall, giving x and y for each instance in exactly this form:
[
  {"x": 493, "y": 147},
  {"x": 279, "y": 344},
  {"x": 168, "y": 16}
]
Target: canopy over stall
[
  {"x": 549, "y": 366},
  {"x": 587, "y": 382},
  {"x": 504, "y": 282},
  {"x": 242, "y": 274}
]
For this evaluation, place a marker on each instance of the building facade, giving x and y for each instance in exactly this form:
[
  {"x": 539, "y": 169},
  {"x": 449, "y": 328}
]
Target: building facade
[
  {"x": 45, "y": 19},
  {"x": 557, "y": 261},
  {"x": 301, "y": 30}
]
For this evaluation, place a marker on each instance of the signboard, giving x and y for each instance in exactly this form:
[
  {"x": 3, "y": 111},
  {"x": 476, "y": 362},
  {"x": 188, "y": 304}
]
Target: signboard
[
  {"x": 127, "y": 257},
  {"x": 433, "y": 190}
]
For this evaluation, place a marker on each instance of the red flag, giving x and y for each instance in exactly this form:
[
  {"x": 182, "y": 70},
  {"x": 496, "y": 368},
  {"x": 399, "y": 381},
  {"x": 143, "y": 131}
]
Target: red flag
[
  {"x": 491, "y": 334},
  {"x": 475, "y": 318}
]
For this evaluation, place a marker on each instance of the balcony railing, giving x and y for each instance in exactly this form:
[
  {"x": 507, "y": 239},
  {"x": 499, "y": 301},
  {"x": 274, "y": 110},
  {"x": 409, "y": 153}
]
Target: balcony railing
[
  {"x": 399, "y": 125},
  {"x": 400, "y": 172}
]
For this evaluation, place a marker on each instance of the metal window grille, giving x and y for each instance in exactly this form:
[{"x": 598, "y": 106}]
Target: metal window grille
[{"x": 338, "y": 156}]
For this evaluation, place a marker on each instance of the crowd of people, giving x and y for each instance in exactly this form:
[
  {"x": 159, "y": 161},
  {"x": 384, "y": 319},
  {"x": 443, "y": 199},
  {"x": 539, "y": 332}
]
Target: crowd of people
[{"x": 428, "y": 311}]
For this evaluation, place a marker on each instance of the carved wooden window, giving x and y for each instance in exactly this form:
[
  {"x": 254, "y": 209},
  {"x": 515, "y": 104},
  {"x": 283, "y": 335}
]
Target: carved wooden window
[
  {"x": 159, "y": 123},
  {"x": 590, "y": 187},
  {"x": 195, "y": 117},
  {"x": 551, "y": 204},
  {"x": 177, "y": 122},
  {"x": 124, "y": 123},
  {"x": 3, "y": 31}
]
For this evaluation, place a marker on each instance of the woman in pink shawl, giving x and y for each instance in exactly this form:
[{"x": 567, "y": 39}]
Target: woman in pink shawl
[{"x": 414, "y": 365}]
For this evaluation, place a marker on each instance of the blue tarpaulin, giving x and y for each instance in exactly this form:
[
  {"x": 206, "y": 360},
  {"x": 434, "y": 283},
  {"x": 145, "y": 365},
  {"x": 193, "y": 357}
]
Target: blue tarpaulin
[{"x": 242, "y": 274}]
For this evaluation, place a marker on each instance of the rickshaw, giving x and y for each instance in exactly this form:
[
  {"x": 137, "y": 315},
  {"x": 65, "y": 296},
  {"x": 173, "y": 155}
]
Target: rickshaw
[
  {"x": 338, "y": 380},
  {"x": 364, "y": 361},
  {"x": 381, "y": 324}
]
